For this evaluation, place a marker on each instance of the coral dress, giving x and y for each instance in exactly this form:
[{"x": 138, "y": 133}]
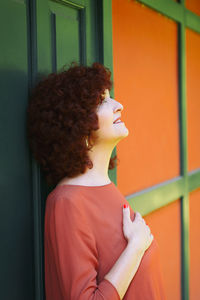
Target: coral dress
[{"x": 83, "y": 240}]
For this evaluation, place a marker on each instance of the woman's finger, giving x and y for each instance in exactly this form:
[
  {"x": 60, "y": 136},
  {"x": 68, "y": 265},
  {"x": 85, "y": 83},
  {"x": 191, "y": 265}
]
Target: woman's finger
[{"x": 126, "y": 211}]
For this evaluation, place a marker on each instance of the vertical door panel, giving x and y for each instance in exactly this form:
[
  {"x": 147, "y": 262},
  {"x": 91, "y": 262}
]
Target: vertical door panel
[
  {"x": 65, "y": 34},
  {"x": 16, "y": 263}
]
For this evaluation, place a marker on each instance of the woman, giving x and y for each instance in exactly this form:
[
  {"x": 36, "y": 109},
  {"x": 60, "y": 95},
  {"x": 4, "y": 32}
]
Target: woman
[{"x": 95, "y": 246}]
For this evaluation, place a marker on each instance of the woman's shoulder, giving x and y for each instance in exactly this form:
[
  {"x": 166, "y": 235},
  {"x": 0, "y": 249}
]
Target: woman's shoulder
[
  {"x": 76, "y": 193},
  {"x": 85, "y": 201},
  {"x": 66, "y": 210},
  {"x": 63, "y": 195},
  {"x": 69, "y": 201}
]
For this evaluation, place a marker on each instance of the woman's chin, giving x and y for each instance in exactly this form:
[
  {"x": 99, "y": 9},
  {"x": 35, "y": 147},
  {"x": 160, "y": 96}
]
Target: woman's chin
[
  {"x": 123, "y": 136},
  {"x": 124, "y": 133}
]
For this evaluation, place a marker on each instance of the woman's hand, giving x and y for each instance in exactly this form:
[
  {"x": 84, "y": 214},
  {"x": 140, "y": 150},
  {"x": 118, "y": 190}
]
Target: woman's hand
[{"x": 136, "y": 232}]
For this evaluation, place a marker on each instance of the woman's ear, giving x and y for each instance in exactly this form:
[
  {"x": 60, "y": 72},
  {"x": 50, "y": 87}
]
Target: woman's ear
[{"x": 106, "y": 93}]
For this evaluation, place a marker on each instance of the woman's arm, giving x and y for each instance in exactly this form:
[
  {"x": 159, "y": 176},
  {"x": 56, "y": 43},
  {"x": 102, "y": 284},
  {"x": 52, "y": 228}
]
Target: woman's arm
[
  {"x": 71, "y": 257},
  {"x": 139, "y": 239},
  {"x": 124, "y": 269}
]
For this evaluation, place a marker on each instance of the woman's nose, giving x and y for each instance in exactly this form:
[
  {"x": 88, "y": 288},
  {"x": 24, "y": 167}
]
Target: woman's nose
[{"x": 118, "y": 106}]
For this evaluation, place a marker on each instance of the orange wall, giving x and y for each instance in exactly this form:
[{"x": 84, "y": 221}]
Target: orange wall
[
  {"x": 145, "y": 57},
  {"x": 146, "y": 83},
  {"x": 193, "y": 5},
  {"x": 168, "y": 219}
]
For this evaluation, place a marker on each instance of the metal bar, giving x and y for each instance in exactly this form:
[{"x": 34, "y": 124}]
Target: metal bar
[
  {"x": 157, "y": 196},
  {"x": 175, "y": 11},
  {"x": 194, "y": 180},
  {"x": 192, "y": 21},
  {"x": 38, "y": 272},
  {"x": 184, "y": 165},
  {"x": 168, "y": 8},
  {"x": 108, "y": 58},
  {"x": 160, "y": 195}
]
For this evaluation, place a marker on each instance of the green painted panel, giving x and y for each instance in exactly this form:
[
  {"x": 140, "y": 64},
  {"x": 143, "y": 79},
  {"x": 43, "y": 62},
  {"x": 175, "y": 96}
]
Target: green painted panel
[
  {"x": 107, "y": 57},
  {"x": 65, "y": 34},
  {"x": 16, "y": 271},
  {"x": 184, "y": 163},
  {"x": 176, "y": 11},
  {"x": 168, "y": 8},
  {"x": 192, "y": 21},
  {"x": 185, "y": 253},
  {"x": 194, "y": 180}
]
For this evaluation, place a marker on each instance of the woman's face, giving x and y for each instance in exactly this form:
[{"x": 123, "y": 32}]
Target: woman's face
[{"x": 108, "y": 111}]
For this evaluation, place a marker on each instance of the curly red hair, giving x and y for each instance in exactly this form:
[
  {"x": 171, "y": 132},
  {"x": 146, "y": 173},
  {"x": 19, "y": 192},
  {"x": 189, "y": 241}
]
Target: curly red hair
[{"x": 61, "y": 114}]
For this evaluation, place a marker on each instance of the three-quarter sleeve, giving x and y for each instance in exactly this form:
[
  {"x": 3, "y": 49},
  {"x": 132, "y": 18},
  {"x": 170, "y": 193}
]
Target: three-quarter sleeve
[{"x": 74, "y": 255}]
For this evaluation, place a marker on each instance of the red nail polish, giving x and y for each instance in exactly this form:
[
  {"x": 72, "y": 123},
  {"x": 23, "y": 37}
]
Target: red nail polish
[{"x": 125, "y": 206}]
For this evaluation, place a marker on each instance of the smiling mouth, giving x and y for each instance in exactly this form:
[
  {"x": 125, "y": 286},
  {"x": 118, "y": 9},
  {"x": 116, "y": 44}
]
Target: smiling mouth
[{"x": 118, "y": 122}]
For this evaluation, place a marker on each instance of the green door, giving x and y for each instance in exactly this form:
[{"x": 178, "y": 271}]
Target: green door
[
  {"x": 38, "y": 37},
  {"x": 67, "y": 31}
]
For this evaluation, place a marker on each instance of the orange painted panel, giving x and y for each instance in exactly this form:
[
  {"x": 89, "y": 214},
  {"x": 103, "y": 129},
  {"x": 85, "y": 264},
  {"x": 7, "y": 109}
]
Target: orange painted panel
[
  {"x": 193, "y": 98},
  {"x": 193, "y": 5},
  {"x": 165, "y": 225},
  {"x": 146, "y": 83},
  {"x": 194, "y": 245}
]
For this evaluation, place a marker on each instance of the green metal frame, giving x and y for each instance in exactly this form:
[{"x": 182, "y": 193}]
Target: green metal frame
[
  {"x": 108, "y": 58},
  {"x": 150, "y": 199}
]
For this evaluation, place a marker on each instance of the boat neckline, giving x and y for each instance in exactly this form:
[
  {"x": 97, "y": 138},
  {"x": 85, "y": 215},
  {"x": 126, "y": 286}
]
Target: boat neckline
[{"x": 85, "y": 186}]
